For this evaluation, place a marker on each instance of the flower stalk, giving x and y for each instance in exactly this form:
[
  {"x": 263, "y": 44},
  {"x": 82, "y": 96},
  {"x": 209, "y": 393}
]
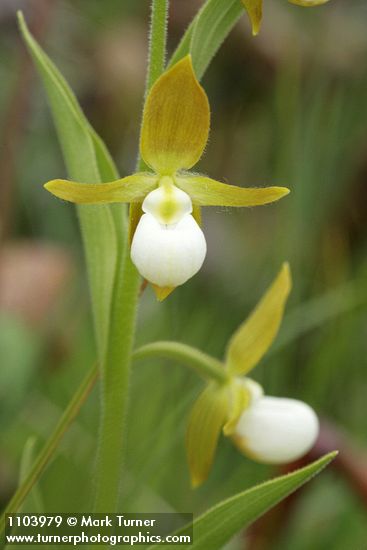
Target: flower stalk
[
  {"x": 206, "y": 366},
  {"x": 117, "y": 362}
]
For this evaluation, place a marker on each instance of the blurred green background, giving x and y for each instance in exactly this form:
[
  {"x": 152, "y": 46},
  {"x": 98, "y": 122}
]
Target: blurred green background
[{"x": 288, "y": 108}]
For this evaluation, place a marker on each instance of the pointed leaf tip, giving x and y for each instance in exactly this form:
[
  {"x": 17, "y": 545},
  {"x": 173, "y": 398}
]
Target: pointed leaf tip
[
  {"x": 20, "y": 17},
  {"x": 215, "y": 527},
  {"x": 175, "y": 121}
]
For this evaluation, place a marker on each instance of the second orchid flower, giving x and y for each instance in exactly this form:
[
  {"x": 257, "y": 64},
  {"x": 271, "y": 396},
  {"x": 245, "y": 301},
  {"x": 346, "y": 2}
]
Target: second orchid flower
[{"x": 271, "y": 430}]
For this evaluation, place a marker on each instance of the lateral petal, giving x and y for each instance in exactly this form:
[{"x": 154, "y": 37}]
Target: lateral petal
[
  {"x": 208, "y": 192},
  {"x": 130, "y": 189},
  {"x": 308, "y": 3}
]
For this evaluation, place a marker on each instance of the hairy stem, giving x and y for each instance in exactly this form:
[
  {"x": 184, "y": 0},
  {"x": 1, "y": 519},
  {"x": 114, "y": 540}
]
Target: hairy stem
[
  {"x": 116, "y": 365},
  {"x": 158, "y": 40}
]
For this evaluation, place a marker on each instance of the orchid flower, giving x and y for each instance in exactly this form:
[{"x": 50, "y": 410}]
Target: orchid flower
[
  {"x": 254, "y": 10},
  {"x": 270, "y": 430},
  {"x": 167, "y": 244}
]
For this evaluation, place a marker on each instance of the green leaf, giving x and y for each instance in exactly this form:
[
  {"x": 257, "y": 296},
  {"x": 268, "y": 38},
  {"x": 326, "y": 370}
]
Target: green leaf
[
  {"x": 207, "y": 32},
  {"x": 87, "y": 160},
  {"x": 219, "y": 524},
  {"x": 213, "y": 24}
]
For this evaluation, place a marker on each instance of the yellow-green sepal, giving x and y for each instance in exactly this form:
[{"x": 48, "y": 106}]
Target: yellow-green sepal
[
  {"x": 162, "y": 292},
  {"x": 239, "y": 400},
  {"x": 254, "y": 10},
  {"x": 130, "y": 189},
  {"x": 135, "y": 213},
  {"x": 196, "y": 214},
  {"x": 175, "y": 120},
  {"x": 208, "y": 192},
  {"x": 308, "y": 3},
  {"x": 207, "y": 418},
  {"x": 254, "y": 337}
]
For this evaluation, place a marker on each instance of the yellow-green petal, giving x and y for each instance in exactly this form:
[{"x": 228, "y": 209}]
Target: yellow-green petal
[
  {"x": 207, "y": 418},
  {"x": 175, "y": 121},
  {"x": 207, "y": 192},
  {"x": 130, "y": 189},
  {"x": 135, "y": 213},
  {"x": 254, "y": 10},
  {"x": 196, "y": 213},
  {"x": 308, "y": 3},
  {"x": 239, "y": 400},
  {"x": 254, "y": 337}
]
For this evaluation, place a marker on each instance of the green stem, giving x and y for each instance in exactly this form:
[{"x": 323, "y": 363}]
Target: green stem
[
  {"x": 116, "y": 366},
  {"x": 157, "y": 42},
  {"x": 115, "y": 374},
  {"x": 51, "y": 445},
  {"x": 205, "y": 365},
  {"x": 157, "y": 53}
]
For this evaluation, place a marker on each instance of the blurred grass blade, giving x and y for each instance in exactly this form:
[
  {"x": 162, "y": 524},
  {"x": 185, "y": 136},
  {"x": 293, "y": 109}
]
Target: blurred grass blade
[
  {"x": 207, "y": 32},
  {"x": 87, "y": 160},
  {"x": 21, "y": 349},
  {"x": 35, "y": 503},
  {"x": 219, "y": 524},
  {"x": 318, "y": 311},
  {"x": 45, "y": 455}
]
